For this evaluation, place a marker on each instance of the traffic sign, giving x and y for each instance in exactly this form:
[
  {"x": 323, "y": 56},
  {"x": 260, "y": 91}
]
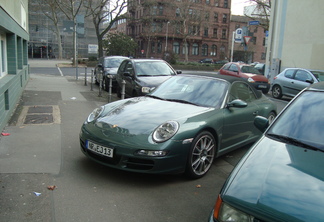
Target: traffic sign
[
  {"x": 254, "y": 22},
  {"x": 247, "y": 39},
  {"x": 238, "y": 35}
]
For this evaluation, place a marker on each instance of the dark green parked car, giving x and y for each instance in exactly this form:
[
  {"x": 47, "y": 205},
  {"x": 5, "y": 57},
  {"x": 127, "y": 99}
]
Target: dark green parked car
[
  {"x": 281, "y": 177},
  {"x": 181, "y": 126}
]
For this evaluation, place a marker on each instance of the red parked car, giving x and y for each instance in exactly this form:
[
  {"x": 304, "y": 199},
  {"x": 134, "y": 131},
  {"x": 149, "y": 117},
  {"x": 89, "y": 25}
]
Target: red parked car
[{"x": 248, "y": 72}]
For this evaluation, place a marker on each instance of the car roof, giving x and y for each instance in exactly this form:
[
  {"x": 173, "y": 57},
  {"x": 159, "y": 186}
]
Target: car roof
[
  {"x": 230, "y": 79},
  {"x": 145, "y": 60},
  {"x": 107, "y": 57}
]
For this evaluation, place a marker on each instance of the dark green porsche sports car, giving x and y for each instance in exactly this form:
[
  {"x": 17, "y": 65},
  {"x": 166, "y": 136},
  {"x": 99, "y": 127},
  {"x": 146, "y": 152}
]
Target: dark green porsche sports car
[{"x": 181, "y": 126}]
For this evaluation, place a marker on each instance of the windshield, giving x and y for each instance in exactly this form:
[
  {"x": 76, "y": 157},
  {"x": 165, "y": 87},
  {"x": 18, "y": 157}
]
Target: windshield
[
  {"x": 153, "y": 68},
  {"x": 319, "y": 75},
  {"x": 200, "y": 91},
  {"x": 303, "y": 120},
  {"x": 249, "y": 69},
  {"x": 113, "y": 62}
]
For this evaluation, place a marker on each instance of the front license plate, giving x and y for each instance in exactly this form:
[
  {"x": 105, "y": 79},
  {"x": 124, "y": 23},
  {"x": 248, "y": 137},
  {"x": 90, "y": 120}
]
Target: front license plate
[
  {"x": 102, "y": 150},
  {"x": 262, "y": 86}
]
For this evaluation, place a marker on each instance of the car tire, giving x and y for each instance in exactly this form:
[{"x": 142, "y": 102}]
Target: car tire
[
  {"x": 276, "y": 92},
  {"x": 201, "y": 155},
  {"x": 105, "y": 84},
  {"x": 271, "y": 117}
]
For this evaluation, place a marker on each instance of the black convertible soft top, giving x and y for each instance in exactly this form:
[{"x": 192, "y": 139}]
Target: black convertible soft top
[{"x": 230, "y": 79}]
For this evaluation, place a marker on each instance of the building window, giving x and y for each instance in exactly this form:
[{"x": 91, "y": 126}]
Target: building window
[
  {"x": 3, "y": 56},
  {"x": 215, "y": 33},
  {"x": 223, "y": 33},
  {"x": 237, "y": 26},
  {"x": 204, "y": 50},
  {"x": 207, "y": 2},
  {"x": 159, "y": 47},
  {"x": 152, "y": 47},
  {"x": 178, "y": 12},
  {"x": 184, "y": 49},
  {"x": 254, "y": 39},
  {"x": 264, "y": 42},
  {"x": 225, "y": 3},
  {"x": 206, "y": 32},
  {"x": 213, "y": 50},
  {"x": 160, "y": 10},
  {"x": 195, "y": 49},
  {"x": 217, "y": 3},
  {"x": 224, "y": 18},
  {"x": 176, "y": 48},
  {"x": 222, "y": 49},
  {"x": 207, "y": 16},
  {"x": 215, "y": 17}
]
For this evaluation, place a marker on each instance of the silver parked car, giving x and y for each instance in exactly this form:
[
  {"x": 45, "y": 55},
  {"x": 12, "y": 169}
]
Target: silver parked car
[{"x": 292, "y": 80}]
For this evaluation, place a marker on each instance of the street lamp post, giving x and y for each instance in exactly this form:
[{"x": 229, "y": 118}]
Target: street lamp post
[{"x": 166, "y": 37}]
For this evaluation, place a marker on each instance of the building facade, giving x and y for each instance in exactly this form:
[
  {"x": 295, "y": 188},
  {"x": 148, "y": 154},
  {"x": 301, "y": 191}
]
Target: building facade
[
  {"x": 295, "y": 36},
  {"x": 14, "y": 72},
  {"x": 44, "y": 35},
  {"x": 190, "y": 30}
]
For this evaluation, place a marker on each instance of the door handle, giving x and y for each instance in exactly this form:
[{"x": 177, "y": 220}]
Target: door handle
[{"x": 255, "y": 113}]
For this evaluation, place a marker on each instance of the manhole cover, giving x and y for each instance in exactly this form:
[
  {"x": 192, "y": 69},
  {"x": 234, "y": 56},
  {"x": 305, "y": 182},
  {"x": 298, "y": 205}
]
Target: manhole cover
[{"x": 38, "y": 119}]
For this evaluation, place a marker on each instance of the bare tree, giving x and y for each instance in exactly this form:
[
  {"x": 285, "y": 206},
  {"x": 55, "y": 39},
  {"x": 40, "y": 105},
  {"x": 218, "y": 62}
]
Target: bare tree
[
  {"x": 187, "y": 21},
  {"x": 50, "y": 9},
  {"x": 104, "y": 14},
  {"x": 262, "y": 12},
  {"x": 71, "y": 9}
]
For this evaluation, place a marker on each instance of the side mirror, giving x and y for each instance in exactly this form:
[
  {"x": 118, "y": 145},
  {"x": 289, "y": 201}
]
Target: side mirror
[
  {"x": 179, "y": 71},
  {"x": 261, "y": 123},
  {"x": 127, "y": 74},
  {"x": 100, "y": 65},
  {"x": 310, "y": 81},
  {"x": 237, "y": 103}
]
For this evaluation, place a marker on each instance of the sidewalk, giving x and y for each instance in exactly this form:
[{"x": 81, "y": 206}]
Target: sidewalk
[{"x": 51, "y": 111}]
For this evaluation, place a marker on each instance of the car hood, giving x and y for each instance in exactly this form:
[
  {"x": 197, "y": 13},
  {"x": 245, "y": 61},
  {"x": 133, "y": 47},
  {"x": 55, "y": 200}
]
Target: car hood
[
  {"x": 256, "y": 77},
  {"x": 279, "y": 181},
  {"x": 112, "y": 71},
  {"x": 152, "y": 81},
  {"x": 141, "y": 115}
]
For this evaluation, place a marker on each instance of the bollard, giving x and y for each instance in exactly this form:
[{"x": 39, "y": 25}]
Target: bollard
[
  {"x": 123, "y": 89},
  {"x": 91, "y": 87},
  {"x": 100, "y": 84},
  {"x": 85, "y": 77},
  {"x": 110, "y": 87}
]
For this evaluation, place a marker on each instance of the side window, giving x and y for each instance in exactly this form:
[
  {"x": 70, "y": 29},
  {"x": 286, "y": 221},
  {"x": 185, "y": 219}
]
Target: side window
[
  {"x": 121, "y": 69},
  {"x": 241, "y": 90},
  {"x": 233, "y": 68},
  {"x": 290, "y": 73},
  {"x": 129, "y": 68},
  {"x": 302, "y": 76},
  {"x": 226, "y": 66}
]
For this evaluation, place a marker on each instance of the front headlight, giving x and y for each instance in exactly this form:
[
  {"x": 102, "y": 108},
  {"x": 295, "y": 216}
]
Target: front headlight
[
  {"x": 250, "y": 79},
  {"x": 165, "y": 131},
  {"x": 228, "y": 213},
  {"x": 95, "y": 113}
]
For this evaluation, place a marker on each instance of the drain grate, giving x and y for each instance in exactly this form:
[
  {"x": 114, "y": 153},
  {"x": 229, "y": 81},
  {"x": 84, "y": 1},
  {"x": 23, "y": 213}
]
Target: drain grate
[
  {"x": 39, "y": 119},
  {"x": 40, "y": 115}
]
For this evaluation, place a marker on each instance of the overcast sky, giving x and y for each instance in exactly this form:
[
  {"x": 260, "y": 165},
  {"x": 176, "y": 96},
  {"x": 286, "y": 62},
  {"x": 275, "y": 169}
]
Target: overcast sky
[{"x": 238, "y": 6}]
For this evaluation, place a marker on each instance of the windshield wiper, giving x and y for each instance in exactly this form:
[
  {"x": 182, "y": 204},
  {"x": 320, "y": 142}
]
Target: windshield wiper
[
  {"x": 155, "y": 97},
  {"x": 293, "y": 141},
  {"x": 181, "y": 101}
]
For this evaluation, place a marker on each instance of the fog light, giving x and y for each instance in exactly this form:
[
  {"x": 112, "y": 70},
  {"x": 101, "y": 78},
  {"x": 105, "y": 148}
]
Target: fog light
[{"x": 155, "y": 153}]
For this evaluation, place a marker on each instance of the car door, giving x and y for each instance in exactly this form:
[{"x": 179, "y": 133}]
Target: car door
[
  {"x": 233, "y": 70},
  {"x": 238, "y": 125},
  {"x": 300, "y": 81},
  {"x": 129, "y": 78},
  {"x": 287, "y": 81}
]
